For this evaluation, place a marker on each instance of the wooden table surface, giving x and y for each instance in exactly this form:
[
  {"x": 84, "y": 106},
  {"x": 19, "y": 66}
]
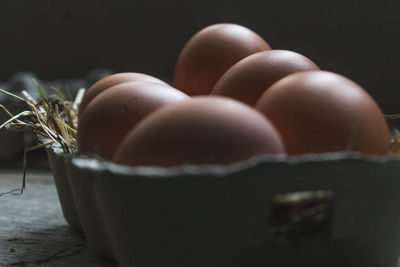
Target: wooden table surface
[{"x": 33, "y": 231}]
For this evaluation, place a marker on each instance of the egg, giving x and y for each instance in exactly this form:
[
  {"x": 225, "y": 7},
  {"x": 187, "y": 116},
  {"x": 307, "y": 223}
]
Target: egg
[
  {"x": 109, "y": 116},
  {"x": 210, "y": 53},
  {"x": 202, "y": 130},
  {"x": 249, "y": 78},
  {"x": 112, "y": 80},
  {"x": 319, "y": 111}
]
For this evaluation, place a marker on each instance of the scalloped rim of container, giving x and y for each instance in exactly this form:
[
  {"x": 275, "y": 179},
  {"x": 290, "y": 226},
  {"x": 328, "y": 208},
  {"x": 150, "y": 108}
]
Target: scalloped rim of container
[{"x": 100, "y": 172}]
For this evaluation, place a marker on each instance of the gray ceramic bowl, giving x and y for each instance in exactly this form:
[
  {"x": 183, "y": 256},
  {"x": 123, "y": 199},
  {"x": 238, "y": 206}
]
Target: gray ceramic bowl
[
  {"x": 326, "y": 210},
  {"x": 78, "y": 201},
  {"x": 58, "y": 163}
]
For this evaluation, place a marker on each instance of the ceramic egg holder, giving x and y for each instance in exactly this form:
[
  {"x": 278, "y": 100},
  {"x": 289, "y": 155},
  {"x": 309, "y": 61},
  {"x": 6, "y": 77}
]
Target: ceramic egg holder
[{"x": 336, "y": 209}]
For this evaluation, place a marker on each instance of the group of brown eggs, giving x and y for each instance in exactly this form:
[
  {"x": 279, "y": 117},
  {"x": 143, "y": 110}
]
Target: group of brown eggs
[{"x": 233, "y": 98}]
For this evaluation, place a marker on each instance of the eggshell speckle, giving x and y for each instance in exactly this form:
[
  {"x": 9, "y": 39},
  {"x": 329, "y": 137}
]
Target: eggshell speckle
[
  {"x": 248, "y": 79},
  {"x": 210, "y": 53},
  {"x": 203, "y": 130},
  {"x": 109, "y": 116},
  {"x": 320, "y": 111}
]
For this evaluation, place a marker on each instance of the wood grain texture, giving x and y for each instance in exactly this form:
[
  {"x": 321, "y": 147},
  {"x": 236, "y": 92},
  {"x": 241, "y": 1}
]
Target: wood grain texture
[{"x": 33, "y": 231}]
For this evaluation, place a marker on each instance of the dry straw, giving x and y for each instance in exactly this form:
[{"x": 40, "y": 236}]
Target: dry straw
[{"x": 53, "y": 119}]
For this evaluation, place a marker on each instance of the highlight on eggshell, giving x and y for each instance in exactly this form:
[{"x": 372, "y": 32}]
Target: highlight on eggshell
[
  {"x": 112, "y": 80},
  {"x": 308, "y": 110},
  {"x": 199, "y": 131},
  {"x": 249, "y": 78},
  {"x": 111, "y": 114},
  {"x": 210, "y": 53},
  {"x": 319, "y": 111}
]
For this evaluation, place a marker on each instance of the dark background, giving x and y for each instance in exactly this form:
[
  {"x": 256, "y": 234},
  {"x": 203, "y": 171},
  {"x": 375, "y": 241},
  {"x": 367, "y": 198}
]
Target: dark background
[{"x": 65, "y": 39}]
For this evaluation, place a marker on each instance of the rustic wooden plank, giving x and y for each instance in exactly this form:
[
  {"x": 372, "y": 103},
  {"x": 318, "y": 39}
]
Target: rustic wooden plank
[{"x": 33, "y": 231}]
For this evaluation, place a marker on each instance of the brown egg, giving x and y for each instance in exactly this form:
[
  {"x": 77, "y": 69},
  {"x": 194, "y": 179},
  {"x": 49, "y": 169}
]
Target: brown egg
[
  {"x": 320, "y": 111},
  {"x": 210, "y": 53},
  {"x": 112, "y": 80},
  {"x": 203, "y": 130},
  {"x": 248, "y": 79},
  {"x": 109, "y": 116}
]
